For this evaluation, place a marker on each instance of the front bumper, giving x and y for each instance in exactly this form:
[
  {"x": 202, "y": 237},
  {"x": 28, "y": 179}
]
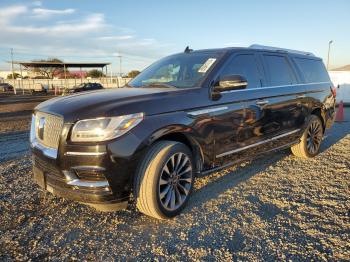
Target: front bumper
[
  {"x": 95, "y": 173},
  {"x": 82, "y": 183},
  {"x": 68, "y": 185}
]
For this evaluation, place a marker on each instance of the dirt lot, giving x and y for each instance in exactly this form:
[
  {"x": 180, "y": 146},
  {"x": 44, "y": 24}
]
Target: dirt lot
[
  {"x": 274, "y": 207},
  {"x": 15, "y": 111}
]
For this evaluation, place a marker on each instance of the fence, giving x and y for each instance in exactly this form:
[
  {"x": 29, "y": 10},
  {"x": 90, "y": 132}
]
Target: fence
[{"x": 28, "y": 84}]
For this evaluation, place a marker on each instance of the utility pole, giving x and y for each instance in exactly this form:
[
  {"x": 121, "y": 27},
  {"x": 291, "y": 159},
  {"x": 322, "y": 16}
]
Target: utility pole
[
  {"x": 13, "y": 75},
  {"x": 329, "y": 50},
  {"x": 110, "y": 70},
  {"x": 120, "y": 64}
]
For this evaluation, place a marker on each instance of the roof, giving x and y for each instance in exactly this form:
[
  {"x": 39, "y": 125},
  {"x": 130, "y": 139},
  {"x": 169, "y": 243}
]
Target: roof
[
  {"x": 279, "y": 49},
  {"x": 256, "y": 47},
  {"x": 60, "y": 64}
]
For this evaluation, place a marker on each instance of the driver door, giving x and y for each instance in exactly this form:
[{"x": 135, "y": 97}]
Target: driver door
[{"x": 230, "y": 127}]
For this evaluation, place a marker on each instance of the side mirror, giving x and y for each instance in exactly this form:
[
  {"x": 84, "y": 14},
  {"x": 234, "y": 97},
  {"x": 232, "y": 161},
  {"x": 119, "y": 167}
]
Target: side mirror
[{"x": 230, "y": 82}]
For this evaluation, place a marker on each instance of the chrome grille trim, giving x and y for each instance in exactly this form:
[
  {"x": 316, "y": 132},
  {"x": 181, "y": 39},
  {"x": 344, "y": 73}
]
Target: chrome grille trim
[
  {"x": 73, "y": 180},
  {"x": 52, "y": 129},
  {"x": 48, "y": 145},
  {"x": 85, "y": 153},
  {"x": 49, "y": 152}
]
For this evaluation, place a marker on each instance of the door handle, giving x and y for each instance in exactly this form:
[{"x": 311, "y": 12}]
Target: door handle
[
  {"x": 301, "y": 96},
  {"x": 262, "y": 102}
]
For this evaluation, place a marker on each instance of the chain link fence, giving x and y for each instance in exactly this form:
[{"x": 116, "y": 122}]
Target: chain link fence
[{"x": 61, "y": 84}]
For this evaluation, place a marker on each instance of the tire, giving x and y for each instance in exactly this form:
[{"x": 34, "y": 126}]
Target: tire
[
  {"x": 311, "y": 139},
  {"x": 164, "y": 180}
]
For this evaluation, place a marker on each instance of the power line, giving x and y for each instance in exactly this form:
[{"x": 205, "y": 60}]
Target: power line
[{"x": 131, "y": 57}]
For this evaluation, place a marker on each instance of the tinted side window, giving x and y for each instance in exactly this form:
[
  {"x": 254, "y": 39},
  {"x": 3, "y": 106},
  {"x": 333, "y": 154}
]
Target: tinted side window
[
  {"x": 244, "y": 65},
  {"x": 313, "y": 70},
  {"x": 279, "y": 70}
]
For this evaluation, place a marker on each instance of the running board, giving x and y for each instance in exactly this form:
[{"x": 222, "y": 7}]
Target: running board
[{"x": 218, "y": 168}]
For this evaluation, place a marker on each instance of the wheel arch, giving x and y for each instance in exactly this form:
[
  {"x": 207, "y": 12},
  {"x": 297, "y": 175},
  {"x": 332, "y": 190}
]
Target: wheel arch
[
  {"x": 182, "y": 134},
  {"x": 320, "y": 113}
]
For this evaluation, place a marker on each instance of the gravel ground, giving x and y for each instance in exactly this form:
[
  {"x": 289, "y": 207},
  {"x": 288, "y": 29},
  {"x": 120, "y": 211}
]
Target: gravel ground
[
  {"x": 13, "y": 145},
  {"x": 274, "y": 207}
]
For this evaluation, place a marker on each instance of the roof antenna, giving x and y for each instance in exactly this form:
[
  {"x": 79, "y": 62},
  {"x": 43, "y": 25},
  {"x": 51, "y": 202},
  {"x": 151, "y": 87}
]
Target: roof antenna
[{"x": 187, "y": 49}]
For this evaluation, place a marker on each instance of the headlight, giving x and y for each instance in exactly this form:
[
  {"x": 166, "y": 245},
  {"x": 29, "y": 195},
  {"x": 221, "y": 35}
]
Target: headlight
[{"x": 106, "y": 128}]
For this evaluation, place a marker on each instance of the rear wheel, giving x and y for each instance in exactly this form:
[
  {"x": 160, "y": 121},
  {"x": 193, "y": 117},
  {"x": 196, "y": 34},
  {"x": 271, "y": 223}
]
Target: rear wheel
[
  {"x": 311, "y": 139},
  {"x": 164, "y": 180}
]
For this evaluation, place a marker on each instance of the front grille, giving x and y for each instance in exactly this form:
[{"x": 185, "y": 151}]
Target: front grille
[{"x": 49, "y": 130}]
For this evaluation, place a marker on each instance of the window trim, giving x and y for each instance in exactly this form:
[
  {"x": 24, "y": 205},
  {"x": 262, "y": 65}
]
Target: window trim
[
  {"x": 268, "y": 73},
  {"x": 280, "y": 86},
  {"x": 235, "y": 54}
]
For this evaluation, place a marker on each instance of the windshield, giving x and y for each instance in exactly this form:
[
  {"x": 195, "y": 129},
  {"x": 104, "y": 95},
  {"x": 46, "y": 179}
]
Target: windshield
[{"x": 181, "y": 71}]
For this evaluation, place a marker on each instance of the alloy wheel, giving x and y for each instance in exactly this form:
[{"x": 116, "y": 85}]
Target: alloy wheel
[
  {"x": 314, "y": 137},
  {"x": 175, "y": 181}
]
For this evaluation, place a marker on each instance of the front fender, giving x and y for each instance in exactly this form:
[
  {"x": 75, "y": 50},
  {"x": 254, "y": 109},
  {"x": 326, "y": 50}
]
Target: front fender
[{"x": 177, "y": 126}]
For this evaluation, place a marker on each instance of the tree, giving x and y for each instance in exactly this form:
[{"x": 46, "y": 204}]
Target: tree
[
  {"x": 94, "y": 73},
  {"x": 51, "y": 71},
  {"x": 133, "y": 73},
  {"x": 16, "y": 75}
]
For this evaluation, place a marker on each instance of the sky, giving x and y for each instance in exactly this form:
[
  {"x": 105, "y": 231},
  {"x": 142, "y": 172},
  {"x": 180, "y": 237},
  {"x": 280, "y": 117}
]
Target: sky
[{"x": 144, "y": 31}]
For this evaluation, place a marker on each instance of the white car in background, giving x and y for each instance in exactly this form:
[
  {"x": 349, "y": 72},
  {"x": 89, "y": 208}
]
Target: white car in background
[
  {"x": 39, "y": 88},
  {"x": 342, "y": 80}
]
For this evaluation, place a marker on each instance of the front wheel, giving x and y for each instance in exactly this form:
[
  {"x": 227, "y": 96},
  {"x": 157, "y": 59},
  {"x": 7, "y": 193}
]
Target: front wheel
[
  {"x": 311, "y": 139},
  {"x": 164, "y": 180}
]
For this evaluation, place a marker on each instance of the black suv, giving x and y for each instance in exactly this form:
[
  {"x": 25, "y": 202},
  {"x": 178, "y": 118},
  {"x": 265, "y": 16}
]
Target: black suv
[
  {"x": 187, "y": 114},
  {"x": 85, "y": 87}
]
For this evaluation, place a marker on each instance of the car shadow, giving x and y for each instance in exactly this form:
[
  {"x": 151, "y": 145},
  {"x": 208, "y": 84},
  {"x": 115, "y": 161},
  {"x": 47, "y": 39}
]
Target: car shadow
[
  {"x": 338, "y": 131},
  {"x": 241, "y": 173}
]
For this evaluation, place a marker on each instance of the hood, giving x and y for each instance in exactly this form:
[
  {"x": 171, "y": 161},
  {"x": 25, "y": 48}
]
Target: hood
[{"x": 121, "y": 101}]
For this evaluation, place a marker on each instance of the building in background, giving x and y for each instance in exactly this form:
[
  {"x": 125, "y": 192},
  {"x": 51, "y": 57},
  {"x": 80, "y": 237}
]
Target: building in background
[
  {"x": 341, "y": 77},
  {"x": 4, "y": 74}
]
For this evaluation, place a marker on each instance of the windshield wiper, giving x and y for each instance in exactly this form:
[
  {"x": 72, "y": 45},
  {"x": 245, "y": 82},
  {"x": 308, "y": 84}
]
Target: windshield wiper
[{"x": 159, "y": 84}]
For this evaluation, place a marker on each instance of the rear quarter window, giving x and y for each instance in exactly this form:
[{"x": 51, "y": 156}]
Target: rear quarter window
[{"x": 313, "y": 70}]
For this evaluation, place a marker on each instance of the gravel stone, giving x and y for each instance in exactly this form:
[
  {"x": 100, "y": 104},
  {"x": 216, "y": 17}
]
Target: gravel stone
[{"x": 276, "y": 207}]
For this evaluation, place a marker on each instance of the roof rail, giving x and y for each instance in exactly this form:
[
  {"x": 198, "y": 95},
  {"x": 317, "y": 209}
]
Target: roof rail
[{"x": 271, "y": 48}]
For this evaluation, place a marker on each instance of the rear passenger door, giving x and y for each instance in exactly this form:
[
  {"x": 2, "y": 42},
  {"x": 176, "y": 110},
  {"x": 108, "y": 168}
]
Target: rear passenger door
[
  {"x": 272, "y": 110},
  {"x": 278, "y": 102}
]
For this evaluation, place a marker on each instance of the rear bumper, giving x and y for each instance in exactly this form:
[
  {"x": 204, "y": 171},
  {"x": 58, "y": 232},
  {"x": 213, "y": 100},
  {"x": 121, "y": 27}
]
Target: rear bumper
[{"x": 330, "y": 117}]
